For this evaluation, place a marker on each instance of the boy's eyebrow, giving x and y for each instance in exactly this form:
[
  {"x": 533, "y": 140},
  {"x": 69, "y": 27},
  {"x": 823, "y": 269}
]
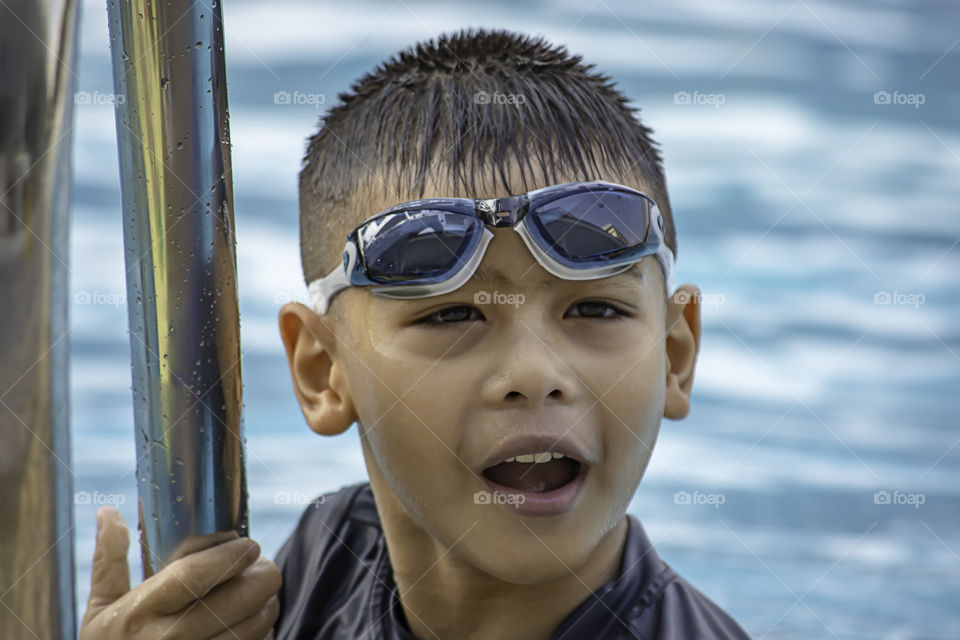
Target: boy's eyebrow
[
  {"x": 495, "y": 278},
  {"x": 491, "y": 276}
]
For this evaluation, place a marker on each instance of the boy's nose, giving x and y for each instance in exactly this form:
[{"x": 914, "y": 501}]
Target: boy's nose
[{"x": 527, "y": 367}]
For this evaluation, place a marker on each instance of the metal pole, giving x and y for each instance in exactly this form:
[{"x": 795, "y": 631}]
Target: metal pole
[
  {"x": 37, "y": 79},
  {"x": 174, "y": 144}
]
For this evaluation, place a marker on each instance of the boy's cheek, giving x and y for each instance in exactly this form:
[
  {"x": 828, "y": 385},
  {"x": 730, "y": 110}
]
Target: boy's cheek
[
  {"x": 425, "y": 346},
  {"x": 415, "y": 451},
  {"x": 632, "y": 414}
]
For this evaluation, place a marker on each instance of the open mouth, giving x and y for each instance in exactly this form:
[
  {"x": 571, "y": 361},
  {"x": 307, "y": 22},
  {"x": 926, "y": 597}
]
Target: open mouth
[{"x": 535, "y": 472}]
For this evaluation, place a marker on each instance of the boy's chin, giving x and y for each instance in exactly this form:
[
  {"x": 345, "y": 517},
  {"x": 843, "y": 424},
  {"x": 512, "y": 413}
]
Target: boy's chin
[
  {"x": 529, "y": 561},
  {"x": 518, "y": 554}
]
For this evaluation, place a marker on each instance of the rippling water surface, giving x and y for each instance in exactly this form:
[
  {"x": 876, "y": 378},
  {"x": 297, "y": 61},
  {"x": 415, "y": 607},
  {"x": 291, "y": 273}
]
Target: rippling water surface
[{"x": 820, "y": 221}]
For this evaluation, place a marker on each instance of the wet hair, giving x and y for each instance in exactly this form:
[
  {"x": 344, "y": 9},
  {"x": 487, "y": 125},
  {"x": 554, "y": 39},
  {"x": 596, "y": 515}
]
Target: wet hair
[{"x": 457, "y": 111}]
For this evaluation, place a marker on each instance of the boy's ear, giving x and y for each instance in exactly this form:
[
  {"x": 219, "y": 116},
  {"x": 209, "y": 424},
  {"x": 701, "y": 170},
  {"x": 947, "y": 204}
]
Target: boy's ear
[
  {"x": 683, "y": 344},
  {"x": 318, "y": 376}
]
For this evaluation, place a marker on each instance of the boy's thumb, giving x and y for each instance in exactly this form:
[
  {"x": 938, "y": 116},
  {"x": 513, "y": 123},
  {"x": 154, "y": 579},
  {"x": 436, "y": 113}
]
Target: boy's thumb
[{"x": 110, "y": 575}]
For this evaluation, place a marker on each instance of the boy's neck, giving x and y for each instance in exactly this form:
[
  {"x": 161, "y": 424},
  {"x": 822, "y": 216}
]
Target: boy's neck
[{"x": 445, "y": 596}]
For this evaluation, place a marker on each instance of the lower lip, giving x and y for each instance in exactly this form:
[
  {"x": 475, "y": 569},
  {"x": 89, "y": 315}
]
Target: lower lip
[{"x": 547, "y": 503}]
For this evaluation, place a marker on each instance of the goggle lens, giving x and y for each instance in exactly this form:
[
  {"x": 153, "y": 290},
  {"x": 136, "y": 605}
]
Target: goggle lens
[
  {"x": 594, "y": 228},
  {"x": 421, "y": 246}
]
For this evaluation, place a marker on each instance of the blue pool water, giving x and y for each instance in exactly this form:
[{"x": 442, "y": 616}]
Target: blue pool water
[{"x": 821, "y": 219}]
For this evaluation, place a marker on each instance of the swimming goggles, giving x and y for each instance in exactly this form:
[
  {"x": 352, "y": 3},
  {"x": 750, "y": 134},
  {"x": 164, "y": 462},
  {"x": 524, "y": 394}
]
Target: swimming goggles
[{"x": 576, "y": 231}]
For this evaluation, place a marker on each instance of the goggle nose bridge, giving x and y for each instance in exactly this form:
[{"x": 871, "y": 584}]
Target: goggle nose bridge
[{"x": 502, "y": 212}]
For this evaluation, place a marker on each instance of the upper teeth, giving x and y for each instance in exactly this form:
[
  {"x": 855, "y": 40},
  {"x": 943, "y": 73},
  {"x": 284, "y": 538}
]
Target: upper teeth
[{"x": 546, "y": 456}]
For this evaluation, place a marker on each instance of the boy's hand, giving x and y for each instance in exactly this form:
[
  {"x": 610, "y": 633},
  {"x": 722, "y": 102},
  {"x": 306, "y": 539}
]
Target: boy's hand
[{"x": 225, "y": 591}]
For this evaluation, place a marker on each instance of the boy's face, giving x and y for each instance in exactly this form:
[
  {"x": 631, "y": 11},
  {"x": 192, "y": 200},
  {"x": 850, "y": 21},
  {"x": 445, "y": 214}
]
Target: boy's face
[{"x": 535, "y": 355}]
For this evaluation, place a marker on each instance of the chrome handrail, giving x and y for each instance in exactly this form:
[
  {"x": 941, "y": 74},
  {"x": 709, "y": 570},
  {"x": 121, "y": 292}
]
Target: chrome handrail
[{"x": 173, "y": 139}]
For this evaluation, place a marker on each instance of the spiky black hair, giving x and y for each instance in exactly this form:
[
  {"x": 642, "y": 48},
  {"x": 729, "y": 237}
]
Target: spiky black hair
[{"x": 458, "y": 110}]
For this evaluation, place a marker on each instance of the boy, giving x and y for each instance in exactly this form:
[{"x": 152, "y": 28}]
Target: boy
[{"x": 508, "y": 391}]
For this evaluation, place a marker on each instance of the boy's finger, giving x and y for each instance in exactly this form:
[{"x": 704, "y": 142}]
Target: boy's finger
[
  {"x": 190, "y": 578},
  {"x": 109, "y": 575},
  {"x": 258, "y": 626},
  {"x": 230, "y": 603}
]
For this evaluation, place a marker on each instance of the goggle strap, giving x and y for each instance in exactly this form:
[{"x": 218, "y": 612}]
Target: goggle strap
[
  {"x": 665, "y": 258},
  {"x": 322, "y": 290}
]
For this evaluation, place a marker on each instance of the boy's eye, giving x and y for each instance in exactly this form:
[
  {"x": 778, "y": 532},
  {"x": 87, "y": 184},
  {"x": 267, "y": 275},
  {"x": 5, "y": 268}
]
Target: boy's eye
[
  {"x": 462, "y": 313},
  {"x": 599, "y": 310},
  {"x": 451, "y": 315}
]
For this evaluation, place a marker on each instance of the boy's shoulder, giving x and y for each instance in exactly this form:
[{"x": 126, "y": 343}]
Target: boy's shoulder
[
  {"x": 649, "y": 600},
  {"x": 338, "y": 584},
  {"x": 329, "y": 564},
  {"x": 321, "y": 528}
]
